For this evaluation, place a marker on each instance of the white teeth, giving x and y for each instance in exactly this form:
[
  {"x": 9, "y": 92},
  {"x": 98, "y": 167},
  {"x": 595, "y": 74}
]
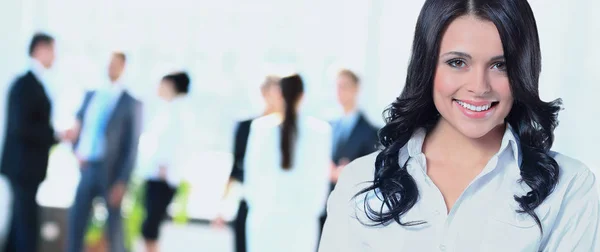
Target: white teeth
[{"x": 473, "y": 107}]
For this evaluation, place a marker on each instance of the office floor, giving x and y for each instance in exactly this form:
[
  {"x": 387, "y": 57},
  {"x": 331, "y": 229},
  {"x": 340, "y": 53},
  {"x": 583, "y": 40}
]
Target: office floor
[{"x": 193, "y": 237}]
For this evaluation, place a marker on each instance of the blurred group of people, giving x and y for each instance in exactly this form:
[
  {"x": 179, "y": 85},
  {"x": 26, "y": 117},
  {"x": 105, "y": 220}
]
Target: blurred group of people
[
  {"x": 287, "y": 161},
  {"x": 279, "y": 159},
  {"x": 105, "y": 142},
  {"x": 104, "y": 138}
]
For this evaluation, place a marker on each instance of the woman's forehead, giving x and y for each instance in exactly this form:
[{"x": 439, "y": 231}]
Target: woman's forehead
[{"x": 474, "y": 36}]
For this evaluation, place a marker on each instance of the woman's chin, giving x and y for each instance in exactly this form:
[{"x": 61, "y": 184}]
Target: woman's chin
[{"x": 477, "y": 131}]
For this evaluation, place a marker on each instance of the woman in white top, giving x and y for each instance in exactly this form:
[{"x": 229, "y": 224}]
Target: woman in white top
[
  {"x": 168, "y": 130},
  {"x": 287, "y": 176},
  {"x": 467, "y": 164}
]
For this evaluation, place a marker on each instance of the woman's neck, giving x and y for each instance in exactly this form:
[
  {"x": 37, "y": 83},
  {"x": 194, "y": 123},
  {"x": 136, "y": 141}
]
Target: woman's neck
[{"x": 446, "y": 143}]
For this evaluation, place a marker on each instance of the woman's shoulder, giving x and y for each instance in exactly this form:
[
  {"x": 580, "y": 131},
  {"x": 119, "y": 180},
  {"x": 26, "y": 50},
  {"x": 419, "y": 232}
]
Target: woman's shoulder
[
  {"x": 316, "y": 124},
  {"x": 569, "y": 167},
  {"x": 575, "y": 181},
  {"x": 265, "y": 122},
  {"x": 358, "y": 174}
]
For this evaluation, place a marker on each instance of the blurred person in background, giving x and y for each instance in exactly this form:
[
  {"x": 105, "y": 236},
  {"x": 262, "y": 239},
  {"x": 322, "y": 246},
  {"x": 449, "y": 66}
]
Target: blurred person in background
[
  {"x": 287, "y": 175},
  {"x": 108, "y": 130},
  {"x": 353, "y": 135},
  {"x": 467, "y": 164},
  {"x": 168, "y": 130},
  {"x": 272, "y": 97},
  {"x": 6, "y": 199},
  {"x": 29, "y": 136}
]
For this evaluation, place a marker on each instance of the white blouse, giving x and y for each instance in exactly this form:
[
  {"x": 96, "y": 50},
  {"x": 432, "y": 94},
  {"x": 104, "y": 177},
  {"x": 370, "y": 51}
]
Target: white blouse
[
  {"x": 303, "y": 189},
  {"x": 170, "y": 136},
  {"x": 484, "y": 217}
]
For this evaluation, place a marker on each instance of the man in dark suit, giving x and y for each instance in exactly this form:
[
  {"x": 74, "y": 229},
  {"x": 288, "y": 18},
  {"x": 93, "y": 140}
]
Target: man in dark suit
[
  {"x": 353, "y": 135},
  {"x": 272, "y": 97},
  {"x": 108, "y": 129},
  {"x": 29, "y": 136}
]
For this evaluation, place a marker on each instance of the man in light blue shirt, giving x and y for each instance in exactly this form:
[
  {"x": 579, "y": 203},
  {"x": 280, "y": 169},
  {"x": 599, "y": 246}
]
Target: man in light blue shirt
[
  {"x": 106, "y": 143},
  {"x": 353, "y": 135}
]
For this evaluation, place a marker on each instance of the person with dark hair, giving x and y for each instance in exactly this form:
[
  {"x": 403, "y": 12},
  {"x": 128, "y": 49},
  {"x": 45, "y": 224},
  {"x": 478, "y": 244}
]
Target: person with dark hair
[
  {"x": 107, "y": 135},
  {"x": 466, "y": 164},
  {"x": 271, "y": 95},
  {"x": 29, "y": 136},
  {"x": 169, "y": 132},
  {"x": 286, "y": 180}
]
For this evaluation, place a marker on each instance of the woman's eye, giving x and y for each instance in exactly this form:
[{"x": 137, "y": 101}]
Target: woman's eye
[
  {"x": 456, "y": 63},
  {"x": 500, "y": 66}
]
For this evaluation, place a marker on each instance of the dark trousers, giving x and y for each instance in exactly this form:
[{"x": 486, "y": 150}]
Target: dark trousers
[
  {"x": 25, "y": 225},
  {"x": 240, "y": 227},
  {"x": 159, "y": 195},
  {"x": 93, "y": 183}
]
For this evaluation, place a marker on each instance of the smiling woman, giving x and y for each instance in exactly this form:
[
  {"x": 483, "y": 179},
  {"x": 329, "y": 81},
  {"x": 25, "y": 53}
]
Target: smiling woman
[
  {"x": 467, "y": 148},
  {"x": 471, "y": 89}
]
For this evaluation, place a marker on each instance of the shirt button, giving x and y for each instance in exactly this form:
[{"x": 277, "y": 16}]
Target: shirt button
[
  {"x": 436, "y": 212},
  {"x": 442, "y": 247}
]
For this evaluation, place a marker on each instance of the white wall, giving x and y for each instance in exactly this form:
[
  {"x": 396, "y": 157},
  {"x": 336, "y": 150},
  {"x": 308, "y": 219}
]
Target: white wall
[{"x": 12, "y": 50}]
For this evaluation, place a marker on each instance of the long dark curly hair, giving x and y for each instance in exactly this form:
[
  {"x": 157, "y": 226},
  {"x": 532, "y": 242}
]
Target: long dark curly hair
[{"x": 532, "y": 119}]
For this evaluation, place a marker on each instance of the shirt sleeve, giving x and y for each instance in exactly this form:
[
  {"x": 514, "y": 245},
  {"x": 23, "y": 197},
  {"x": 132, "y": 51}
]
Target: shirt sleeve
[
  {"x": 240, "y": 142},
  {"x": 317, "y": 174},
  {"x": 5, "y": 211},
  {"x": 577, "y": 225},
  {"x": 256, "y": 158}
]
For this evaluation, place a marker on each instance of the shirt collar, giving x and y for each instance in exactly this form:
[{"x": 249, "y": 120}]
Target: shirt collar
[
  {"x": 350, "y": 119},
  {"x": 114, "y": 88},
  {"x": 177, "y": 101},
  {"x": 38, "y": 70},
  {"x": 351, "y": 115},
  {"x": 510, "y": 139}
]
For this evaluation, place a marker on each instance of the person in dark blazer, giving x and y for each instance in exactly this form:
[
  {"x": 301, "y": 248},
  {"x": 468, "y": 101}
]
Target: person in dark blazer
[
  {"x": 353, "y": 135},
  {"x": 109, "y": 126},
  {"x": 29, "y": 136},
  {"x": 272, "y": 97}
]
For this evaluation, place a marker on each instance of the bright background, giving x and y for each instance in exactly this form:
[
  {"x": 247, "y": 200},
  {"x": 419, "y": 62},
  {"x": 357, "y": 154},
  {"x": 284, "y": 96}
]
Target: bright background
[{"x": 229, "y": 45}]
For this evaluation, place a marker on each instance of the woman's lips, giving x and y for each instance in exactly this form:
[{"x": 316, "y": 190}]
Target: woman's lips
[{"x": 476, "y": 109}]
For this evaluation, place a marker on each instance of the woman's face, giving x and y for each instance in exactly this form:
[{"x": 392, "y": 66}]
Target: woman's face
[
  {"x": 471, "y": 90},
  {"x": 166, "y": 90}
]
